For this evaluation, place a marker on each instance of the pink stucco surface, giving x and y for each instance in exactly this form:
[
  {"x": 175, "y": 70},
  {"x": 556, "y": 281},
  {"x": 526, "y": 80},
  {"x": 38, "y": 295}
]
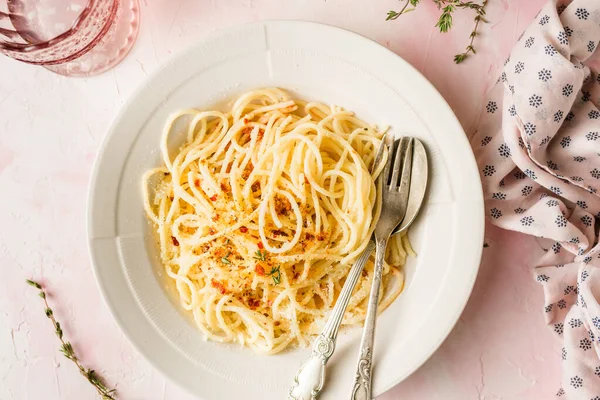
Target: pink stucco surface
[{"x": 51, "y": 128}]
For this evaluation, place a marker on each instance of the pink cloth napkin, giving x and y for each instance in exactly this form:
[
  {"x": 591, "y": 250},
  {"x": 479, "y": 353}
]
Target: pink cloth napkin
[{"x": 538, "y": 149}]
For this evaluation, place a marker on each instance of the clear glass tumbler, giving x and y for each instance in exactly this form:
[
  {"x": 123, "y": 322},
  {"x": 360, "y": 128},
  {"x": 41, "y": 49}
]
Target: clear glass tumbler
[{"x": 69, "y": 37}]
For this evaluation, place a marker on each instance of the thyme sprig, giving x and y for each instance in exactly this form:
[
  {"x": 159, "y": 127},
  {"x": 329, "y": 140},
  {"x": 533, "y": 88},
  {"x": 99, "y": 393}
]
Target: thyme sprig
[
  {"x": 275, "y": 274},
  {"x": 67, "y": 349},
  {"x": 445, "y": 21},
  {"x": 260, "y": 255}
]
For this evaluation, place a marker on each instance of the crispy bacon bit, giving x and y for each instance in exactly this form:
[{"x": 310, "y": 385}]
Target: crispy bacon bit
[
  {"x": 218, "y": 285},
  {"x": 205, "y": 248},
  {"x": 282, "y": 205},
  {"x": 225, "y": 186},
  {"x": 213, "y": 198},
  {"x": 175, "y": 241},
  {"x": 364, "y": 273},
  {"x": 260, "y": 271},
  {"x": 320, "y": 237},
  {"x": 260, "y": 245},
  {"x": 197, "y": 183},
  {"x": 255, "y": 186},
  {"x": 247, "y": 170},
  {"x": 278, "y": 232},
  {"x": 309, "y": 236},
  {"x": 253, "y": 303},
  {"x": 243, "y": 229}
]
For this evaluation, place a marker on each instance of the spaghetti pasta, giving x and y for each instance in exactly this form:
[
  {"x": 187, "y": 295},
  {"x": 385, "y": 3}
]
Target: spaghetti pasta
[{"x": 261, "y": 213}]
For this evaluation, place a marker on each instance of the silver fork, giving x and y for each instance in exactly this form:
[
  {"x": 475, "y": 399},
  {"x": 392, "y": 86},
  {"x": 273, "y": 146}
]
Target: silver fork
[
  {"x": 310, "y": 378},
  {"x": 395, "y": 182}
]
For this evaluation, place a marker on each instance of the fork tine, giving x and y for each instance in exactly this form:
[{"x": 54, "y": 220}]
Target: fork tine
[
  {"x": 398, "y": 157},
  {"x": 385, "y": 174},
  {"x": 406, "y": 170}
]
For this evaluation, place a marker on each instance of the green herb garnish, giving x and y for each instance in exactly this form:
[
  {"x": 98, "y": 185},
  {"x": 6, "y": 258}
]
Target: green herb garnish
[
  {"x": 225, "y": 260},
  {"x": 260, "y": 255},
  {"x": 275, "y": 274}
]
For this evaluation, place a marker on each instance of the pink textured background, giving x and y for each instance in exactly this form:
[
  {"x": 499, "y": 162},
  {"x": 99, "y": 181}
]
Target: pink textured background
[{"x": 51, "y": 128}]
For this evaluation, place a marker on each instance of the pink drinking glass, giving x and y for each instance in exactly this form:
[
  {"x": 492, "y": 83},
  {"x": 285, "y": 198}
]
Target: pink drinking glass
[{"x": 69, "y": 37}]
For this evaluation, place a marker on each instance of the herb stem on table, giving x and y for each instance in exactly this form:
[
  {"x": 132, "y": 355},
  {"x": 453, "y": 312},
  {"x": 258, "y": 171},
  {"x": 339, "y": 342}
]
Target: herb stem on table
[
  {"x": 445, "y": 20},
  {"x": 67, "y": 349},
  {"x": 480, "y": 12}
]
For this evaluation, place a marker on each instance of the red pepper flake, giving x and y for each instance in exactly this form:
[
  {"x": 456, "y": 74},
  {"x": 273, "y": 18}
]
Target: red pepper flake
[
  {"x": 260, "y": 271},
  {"x": 247, "y": 131},
  {"x": 246, "y": 120},
  {"x": 213, "y": 198},
  {"x": 175, "y": 241},
  {"x": 197, "y": 183},
  {"x": 261, "y": 134},
  {"x": 243, "y": 229},
  {"x": 260, "y": 245},
  {"x": 218, "y": 285}
]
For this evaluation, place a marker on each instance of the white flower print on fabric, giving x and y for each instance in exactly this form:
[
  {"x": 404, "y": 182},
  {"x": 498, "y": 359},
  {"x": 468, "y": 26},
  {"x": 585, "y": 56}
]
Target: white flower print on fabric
[{"x": 538, "y": 150}]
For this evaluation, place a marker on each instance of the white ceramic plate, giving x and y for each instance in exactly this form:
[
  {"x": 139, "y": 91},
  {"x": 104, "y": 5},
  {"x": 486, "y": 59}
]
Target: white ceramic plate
[{"x": 315, "y": 62}]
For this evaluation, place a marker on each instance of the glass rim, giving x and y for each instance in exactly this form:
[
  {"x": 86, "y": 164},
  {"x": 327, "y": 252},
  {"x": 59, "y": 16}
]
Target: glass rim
[{"x": 31, "y": 47}]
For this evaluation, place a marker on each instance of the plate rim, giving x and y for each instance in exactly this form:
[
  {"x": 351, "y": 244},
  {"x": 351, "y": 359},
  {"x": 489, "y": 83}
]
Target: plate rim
[{"x": 476, "y": 202}]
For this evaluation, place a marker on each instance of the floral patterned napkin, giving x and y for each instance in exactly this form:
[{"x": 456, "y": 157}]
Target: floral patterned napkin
[{"x": 538, "y": 149}]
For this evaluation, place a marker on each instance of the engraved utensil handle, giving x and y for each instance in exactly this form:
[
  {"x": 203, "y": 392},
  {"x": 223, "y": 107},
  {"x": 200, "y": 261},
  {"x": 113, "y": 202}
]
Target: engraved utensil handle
[
  {"x": 362, "y": 379},
  {"x": 310, "y": 378}
]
